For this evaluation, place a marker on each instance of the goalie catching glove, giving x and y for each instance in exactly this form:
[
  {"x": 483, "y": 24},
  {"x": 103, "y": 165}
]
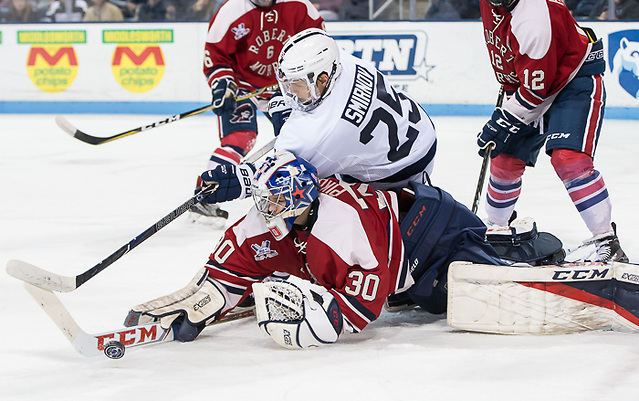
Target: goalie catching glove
[
  {"x": 295, "y": 319},
  {"x": 188, "y": 310},
  {"x": 234, "y": 182}
]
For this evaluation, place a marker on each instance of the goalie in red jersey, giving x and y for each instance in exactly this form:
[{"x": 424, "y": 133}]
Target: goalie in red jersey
[
  {"x": 245, "y": 38},
  {"x": 344, "y": 238}
]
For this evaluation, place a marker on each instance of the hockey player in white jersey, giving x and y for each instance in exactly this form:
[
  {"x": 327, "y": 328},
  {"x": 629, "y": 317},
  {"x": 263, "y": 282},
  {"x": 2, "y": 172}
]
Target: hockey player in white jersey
[{"x": 345, "y": 119}]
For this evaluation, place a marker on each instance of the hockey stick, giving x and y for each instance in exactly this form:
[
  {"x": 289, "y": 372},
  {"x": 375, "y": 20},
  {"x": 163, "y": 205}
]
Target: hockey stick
[
  {"x": 70, "y": 129},
  {"x": 44, "y": 279},
  {"x": 55, "y": 282},
  {"x": 114, "y": 342},
  {"x": 484, "y": 163}
]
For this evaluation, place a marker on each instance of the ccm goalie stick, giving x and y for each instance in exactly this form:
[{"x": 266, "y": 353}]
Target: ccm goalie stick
[
  {"x": 110, "y": 343},
  {"x": 70, "y": 129},
  {"x": 44, "y": 279},
  {"x": 484, "y": 163}
]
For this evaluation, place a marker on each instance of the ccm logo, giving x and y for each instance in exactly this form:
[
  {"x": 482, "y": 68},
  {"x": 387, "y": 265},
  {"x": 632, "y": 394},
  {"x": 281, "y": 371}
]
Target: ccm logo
[
  {"x": 128, "y": 337},
  {"x": 588, "y": 274}
]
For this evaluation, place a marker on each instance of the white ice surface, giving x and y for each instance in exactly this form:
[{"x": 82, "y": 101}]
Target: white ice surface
[{"x": 66, "y": 205}]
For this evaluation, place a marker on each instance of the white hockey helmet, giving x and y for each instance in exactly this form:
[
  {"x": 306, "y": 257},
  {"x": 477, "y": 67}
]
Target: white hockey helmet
[{"x": 305, "y": 57}]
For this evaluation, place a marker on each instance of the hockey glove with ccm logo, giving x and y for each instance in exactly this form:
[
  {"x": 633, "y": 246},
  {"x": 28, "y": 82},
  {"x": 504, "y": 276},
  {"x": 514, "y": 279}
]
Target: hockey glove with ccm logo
[
  {"x": 497, "y": 131},
  {"x": 224, "y": 91},
  {"x": 279, "y": 112},
  {"x": 234, "y": 182},
  {"x": 297, "y": 319}
]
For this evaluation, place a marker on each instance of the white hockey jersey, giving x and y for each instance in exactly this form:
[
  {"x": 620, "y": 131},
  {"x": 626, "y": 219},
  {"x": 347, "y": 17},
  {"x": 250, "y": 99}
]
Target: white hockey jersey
[{"x": 364, "y": 130}]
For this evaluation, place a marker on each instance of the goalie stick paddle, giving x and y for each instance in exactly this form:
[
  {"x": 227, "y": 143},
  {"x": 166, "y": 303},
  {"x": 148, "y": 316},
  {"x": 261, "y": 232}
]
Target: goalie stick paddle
[
  {"x": 484, "y": 163},
  {"x": 72, "y": 130},
  {"x": 42, "y": 278},
  {"x": 111, "y": 343}
]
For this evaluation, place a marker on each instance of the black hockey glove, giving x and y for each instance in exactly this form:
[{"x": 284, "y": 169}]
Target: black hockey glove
[
  {"x": 497, "y": 131},
  {"x": 279, "y": 111},
  {"x": 234, "y": 182},
  {"x": 224, "y": 91}
]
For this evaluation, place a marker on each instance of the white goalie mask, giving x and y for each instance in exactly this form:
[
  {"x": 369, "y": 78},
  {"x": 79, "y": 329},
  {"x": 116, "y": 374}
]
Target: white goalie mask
[
  {"x": 283, "y": 187},
  {"x": 307, "y": 56}
]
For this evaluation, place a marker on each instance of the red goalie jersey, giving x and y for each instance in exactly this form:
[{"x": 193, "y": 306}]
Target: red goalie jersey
[
  {"x": 244, "y": 41},
  {"x": 353, "y": 248}
]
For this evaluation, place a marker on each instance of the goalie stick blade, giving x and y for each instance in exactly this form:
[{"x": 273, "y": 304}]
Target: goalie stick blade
[
  {"x": 110, "y": 343},
  {"x": 94, "y": 344},
  {"x": 39, "y": 277}
]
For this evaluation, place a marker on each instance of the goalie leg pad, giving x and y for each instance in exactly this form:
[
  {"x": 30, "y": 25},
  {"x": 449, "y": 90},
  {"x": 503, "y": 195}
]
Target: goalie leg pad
[
  {"x": 548, "y": 300},
  {"x": 198, "y": 304},
  {"x": 297, "y": 319}
]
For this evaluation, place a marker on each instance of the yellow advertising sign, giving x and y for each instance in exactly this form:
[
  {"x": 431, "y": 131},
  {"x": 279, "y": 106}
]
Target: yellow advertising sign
[
  {"x": 138, "y": 62},
  {"x": 52, "y": 63}
]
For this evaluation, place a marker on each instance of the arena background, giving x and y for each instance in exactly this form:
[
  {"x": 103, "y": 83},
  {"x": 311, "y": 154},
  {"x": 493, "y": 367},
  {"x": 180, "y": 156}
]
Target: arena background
[{"x": 155, "y": 68}]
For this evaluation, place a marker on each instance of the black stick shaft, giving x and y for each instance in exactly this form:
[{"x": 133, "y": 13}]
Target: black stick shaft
[
  {"x": 89, "y": 274},
  {"x": 484, "y": 163}
]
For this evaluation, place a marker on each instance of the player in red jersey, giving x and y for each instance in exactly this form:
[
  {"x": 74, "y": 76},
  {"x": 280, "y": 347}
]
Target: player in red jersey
[
  {"x": 344, "y": 238},
  {"x": 552, "y": 71},
  {"x": 245, "y": 38}
]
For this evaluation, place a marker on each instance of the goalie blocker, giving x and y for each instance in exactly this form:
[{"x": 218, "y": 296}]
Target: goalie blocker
[{"x": 554, "y": 299}]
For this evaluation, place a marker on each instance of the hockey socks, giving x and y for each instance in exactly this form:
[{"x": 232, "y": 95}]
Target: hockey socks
[
  {"x": 504, "y": 187},
  {"x": 586, "y": 188}
]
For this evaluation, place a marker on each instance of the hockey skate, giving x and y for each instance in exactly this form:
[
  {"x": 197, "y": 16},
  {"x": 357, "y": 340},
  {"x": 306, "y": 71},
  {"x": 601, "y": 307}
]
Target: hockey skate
[
  {"x": 608, "y": 248},
  {"x": 208, "y": 213}
]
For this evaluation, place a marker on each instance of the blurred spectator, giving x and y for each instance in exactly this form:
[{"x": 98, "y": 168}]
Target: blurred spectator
[
  {"x": 582, "y": 8},
  {"x": 355, "y": 9},
  {"x": 20, "y": 11},
  {"x": 453, "y": 9},
  {"x": 102, "y": 10},
  {"x": 152, "y": 10},
  {"x": 201, "y": 10},
  {"x": 57, "y": 11},
  {"x": 624, "y": 10},
  {"x": 128, "y": 7},
  {"x": 328, "y": 9}
]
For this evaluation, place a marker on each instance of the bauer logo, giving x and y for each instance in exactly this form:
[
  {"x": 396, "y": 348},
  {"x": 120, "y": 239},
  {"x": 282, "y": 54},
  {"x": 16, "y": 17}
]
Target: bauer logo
[
  {"x": 138, "y": 63},
  {"x": 395, "y": 54},
  {"x": 623, "y": 58},
  {"x": 52, "y": 63}
]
